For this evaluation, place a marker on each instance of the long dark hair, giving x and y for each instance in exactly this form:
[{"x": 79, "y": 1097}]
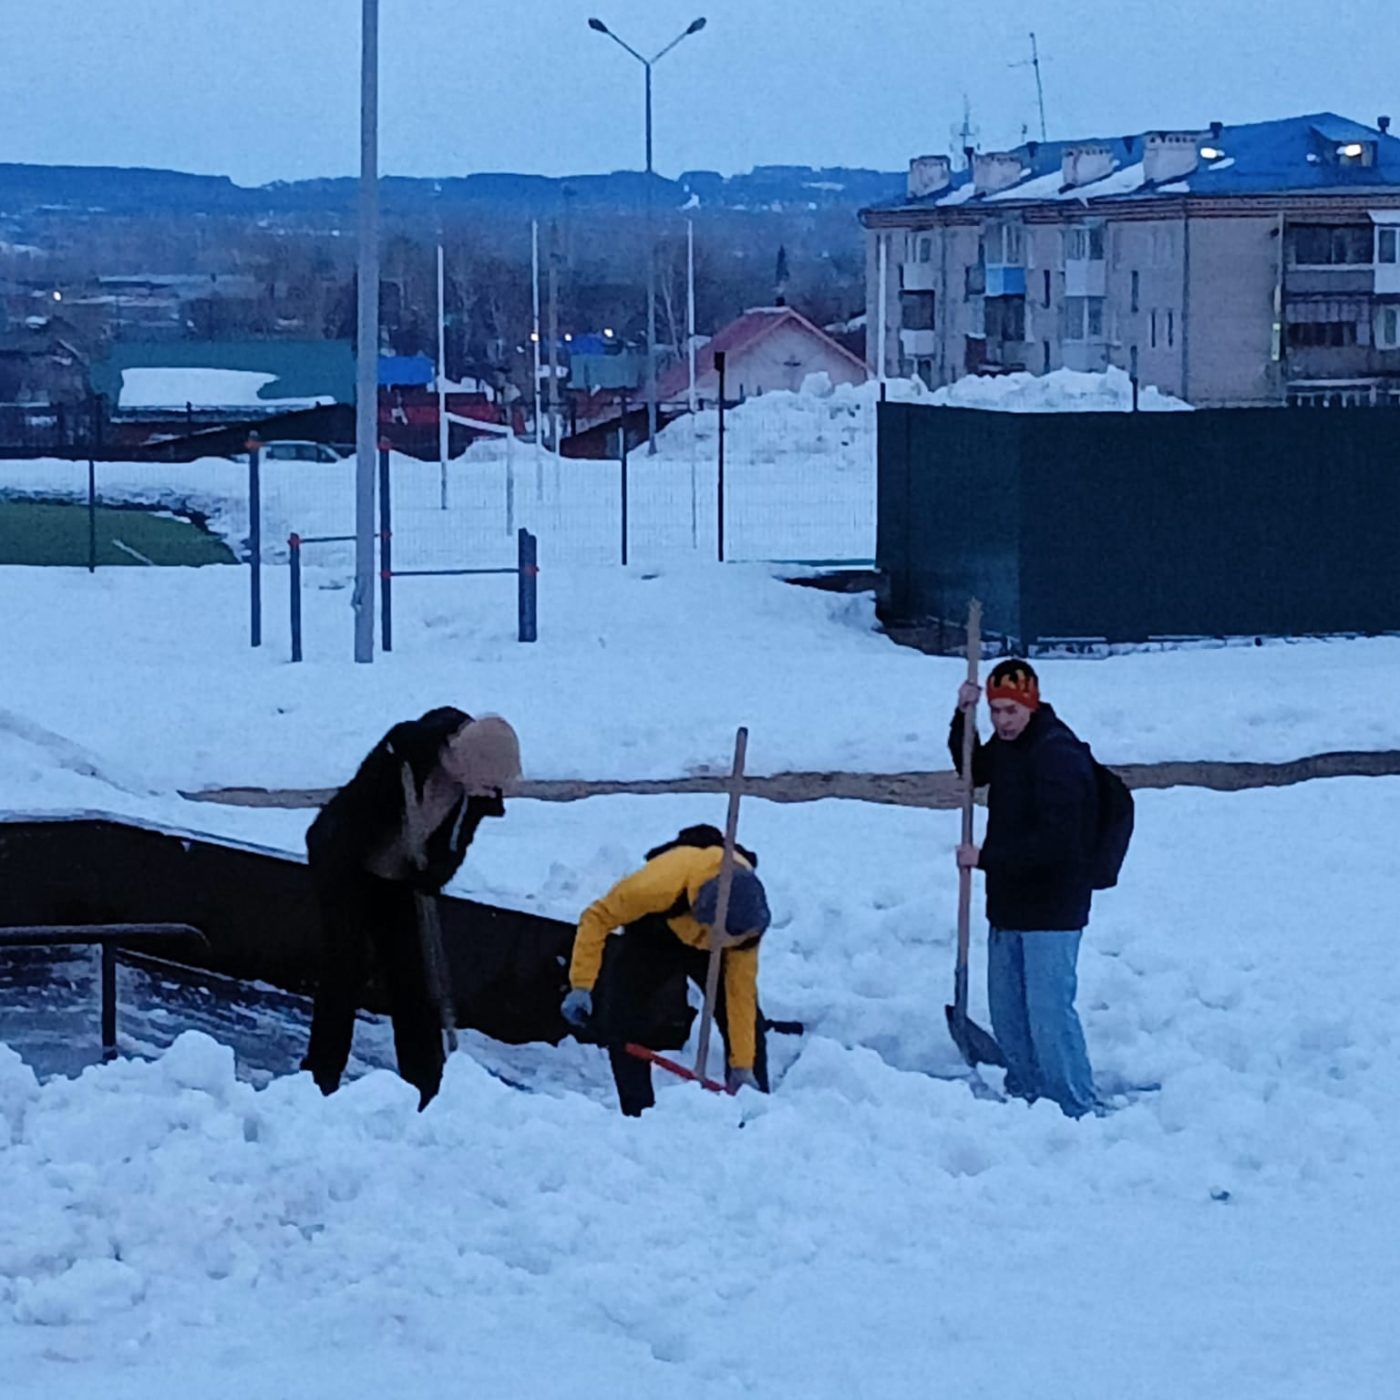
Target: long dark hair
[{"x": 371, "y": 804}]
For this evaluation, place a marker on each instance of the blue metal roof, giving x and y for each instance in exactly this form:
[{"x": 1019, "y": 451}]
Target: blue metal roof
[
  {"x": 1293, "y": 155},
  {"x": 406, "y": 372}
]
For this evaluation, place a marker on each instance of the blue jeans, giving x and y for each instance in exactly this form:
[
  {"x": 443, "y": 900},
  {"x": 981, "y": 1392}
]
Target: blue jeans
[{"x": 1031, "y": 985}]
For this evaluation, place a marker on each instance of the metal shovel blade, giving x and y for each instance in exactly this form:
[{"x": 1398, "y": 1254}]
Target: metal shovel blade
[{"x": 974, "y": 1044}]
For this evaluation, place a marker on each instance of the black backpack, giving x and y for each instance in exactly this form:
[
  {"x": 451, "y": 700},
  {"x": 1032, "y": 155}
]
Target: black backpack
[{"x": 1115, "y": 827}]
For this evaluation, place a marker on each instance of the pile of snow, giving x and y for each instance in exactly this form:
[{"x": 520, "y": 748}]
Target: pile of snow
[
  {"x": 1060, "y": 391},
  {"x": 177, "y": 388}
]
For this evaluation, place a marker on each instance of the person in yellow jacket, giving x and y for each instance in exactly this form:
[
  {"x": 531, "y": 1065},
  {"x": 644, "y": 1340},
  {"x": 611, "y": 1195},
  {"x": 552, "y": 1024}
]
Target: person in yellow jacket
[{"x": 638, "y": 946}]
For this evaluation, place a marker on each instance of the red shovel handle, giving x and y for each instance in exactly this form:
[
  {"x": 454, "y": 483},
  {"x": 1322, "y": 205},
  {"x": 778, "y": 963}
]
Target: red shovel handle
[{"x": 681, "y": 1071}]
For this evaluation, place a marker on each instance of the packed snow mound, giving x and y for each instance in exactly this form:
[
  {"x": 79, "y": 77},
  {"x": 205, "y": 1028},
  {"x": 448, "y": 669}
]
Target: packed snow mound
[{"x": 1061, "y": 391}]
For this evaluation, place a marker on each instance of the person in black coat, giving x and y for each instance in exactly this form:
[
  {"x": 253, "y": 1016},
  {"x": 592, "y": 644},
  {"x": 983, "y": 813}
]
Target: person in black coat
[
  {"x": 1037, "y": 856},
  {"x": 397, "y": 831}
]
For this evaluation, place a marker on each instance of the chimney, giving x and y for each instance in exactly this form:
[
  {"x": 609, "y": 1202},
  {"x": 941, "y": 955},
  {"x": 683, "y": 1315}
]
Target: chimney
[
  {"x": 1215, "y": 129},
  {"x": 1082, "y": 165},
  {"x": 1168, "y": 155},
  {"x": 1384, "y": 124},
  {"x": 996, "y": 170},
  {"x": 928, "y": 175}
]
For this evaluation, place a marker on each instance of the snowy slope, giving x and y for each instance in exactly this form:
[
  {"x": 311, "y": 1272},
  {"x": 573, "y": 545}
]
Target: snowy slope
[{"x": 151, "y": 669}]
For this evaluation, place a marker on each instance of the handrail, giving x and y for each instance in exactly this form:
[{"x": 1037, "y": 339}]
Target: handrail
[{"x": 109, "y": 937}]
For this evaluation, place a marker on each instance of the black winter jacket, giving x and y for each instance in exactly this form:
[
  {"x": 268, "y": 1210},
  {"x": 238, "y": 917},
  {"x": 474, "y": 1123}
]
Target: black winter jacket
[
  {"x": 365, "y": 813},
  {"x": 1042, "y": 823}
]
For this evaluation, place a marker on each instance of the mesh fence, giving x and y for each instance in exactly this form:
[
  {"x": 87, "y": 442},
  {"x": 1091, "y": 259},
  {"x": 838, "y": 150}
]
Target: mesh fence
[{"x": 799, "y": 477}]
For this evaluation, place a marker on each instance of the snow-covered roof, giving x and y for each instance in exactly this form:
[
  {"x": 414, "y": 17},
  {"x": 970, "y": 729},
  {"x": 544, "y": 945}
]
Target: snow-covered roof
[
  {"x": 178, "y": 387},
  {"x": 1294, "y": 155}
]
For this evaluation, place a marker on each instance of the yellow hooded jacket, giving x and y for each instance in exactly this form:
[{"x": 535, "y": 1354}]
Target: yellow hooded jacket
[{"x": 654, "y": 889}]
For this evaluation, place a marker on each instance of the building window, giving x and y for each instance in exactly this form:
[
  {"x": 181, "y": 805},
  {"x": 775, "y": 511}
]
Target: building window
[
  {"x": 1388, "y": 327},
  {"x": 974, "y": 281},
  {"x": 1152, "y": 331},
  {"x": 1136, "y": 285},
  {"x": 1084, "y": 318},
  {"x": 916, "y": 310},
  {"x": 1045, "y": 357},
  {"x": 1308, "y": 335},
  {"x": 925, "y": 249},
  {"x": 1046, "y": 300},
  {"x": 1084, "y": 243},
  {"x": 1006, "y": 319},
  {"x": 924, "y": 369},
  {"x": 1386, "y": 239},
  {"x": 1003, "y": 245},
  {"x": 1331, "y": 245},
  {"x": 1171, "y": 329}
]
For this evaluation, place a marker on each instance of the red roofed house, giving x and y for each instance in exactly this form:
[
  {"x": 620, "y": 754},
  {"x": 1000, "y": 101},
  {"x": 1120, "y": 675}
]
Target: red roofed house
[{"x": 771, "y": 347}]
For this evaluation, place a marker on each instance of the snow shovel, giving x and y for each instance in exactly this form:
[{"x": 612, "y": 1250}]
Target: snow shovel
[
  {"x": 435, "y": 965},
  {"x": 974, "y": 1044},
  {"x": 718, "y": 934},
  {"x": 640, "y": 1052}
]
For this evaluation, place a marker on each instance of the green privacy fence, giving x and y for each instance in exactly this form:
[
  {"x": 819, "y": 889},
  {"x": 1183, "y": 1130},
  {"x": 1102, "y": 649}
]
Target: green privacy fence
[{"x": 1129, "y": 527}]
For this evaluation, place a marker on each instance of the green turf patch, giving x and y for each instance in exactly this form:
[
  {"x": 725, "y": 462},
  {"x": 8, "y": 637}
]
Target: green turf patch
[{"x": 56, "y": 532}]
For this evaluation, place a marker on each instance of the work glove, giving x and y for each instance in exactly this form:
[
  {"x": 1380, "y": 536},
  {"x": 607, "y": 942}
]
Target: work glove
[
  {"x": 577, "y": 1007},
  {"x": 736, "y": 1079}
]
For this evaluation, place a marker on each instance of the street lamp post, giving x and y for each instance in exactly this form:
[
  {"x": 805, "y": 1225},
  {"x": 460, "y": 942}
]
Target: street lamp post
[
  {"x": 367, "y": 335},
  {"x": 694, "y": 27}
]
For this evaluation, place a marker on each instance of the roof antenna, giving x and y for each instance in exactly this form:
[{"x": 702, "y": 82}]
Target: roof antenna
[{"x": 1034, "y": 62}]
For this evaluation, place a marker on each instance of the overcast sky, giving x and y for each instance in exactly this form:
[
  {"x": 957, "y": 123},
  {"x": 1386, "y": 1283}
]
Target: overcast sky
[{"x": 268, "y": 89}]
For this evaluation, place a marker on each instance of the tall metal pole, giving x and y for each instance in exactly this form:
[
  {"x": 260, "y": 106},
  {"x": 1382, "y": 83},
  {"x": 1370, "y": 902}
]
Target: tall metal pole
[
  {"x": 694, "y": 27},
  {"x": 1039, "y": 86},
  {"x": 690, "y": 385},
  {"x": 535, "y": 332},
  {"x": 554, "y": 433},
  {"x": 651, "y": 286},
  {"x": 442, "y": 379},
  {"x": 367, "y": 330},
  {"x": 881, "y": 362}
]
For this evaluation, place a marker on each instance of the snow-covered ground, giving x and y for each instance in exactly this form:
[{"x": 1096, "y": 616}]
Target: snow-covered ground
[
  {"x": 186, "y": 1226},
  {"x": 169, "y": 1230},
  {"x": 637, "y": 674}
]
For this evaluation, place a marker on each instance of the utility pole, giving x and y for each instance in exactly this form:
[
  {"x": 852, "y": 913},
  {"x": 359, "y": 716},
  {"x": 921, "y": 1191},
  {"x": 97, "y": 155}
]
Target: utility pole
[
  {"x": 442, "y": 379},
  {"x": 367, "y": 331},
  {"x": 554, "y": 334}
]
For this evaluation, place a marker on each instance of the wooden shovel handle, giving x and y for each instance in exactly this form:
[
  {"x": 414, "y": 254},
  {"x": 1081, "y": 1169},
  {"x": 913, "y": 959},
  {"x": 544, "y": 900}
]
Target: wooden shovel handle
[
  {"x": 969, "y": 741},
  {"x": 726, "y": 883}
]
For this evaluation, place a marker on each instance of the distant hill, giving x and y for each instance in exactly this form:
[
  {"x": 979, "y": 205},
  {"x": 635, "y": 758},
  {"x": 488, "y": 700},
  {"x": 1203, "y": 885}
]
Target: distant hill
[{"x": 27, "y": 189}]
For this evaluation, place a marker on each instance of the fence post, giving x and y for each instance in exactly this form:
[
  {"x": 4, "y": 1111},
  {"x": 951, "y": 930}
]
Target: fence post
[
  {"x": 294, "y": 558},
  {"x": 92, "y": 516},
  {"x": 109, "y": 1000},
  {"x": 719, "y": 515},
  {"x": 622, "y": 453},
  {"x": 386, "y": 561},
  {"x": 255, "y": 538},
  {"x": 528, "y": 572}
]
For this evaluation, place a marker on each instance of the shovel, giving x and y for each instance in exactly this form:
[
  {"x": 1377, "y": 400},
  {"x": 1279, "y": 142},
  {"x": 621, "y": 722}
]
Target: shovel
[{"x": 975, "y": 1045}]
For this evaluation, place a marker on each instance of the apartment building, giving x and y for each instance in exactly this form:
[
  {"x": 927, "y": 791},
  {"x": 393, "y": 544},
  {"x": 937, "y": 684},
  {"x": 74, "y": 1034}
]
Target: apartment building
[{"x": 1230, "y": 266}]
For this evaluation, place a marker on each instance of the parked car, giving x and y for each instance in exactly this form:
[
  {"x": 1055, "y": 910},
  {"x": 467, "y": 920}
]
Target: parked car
[{"x": 287, "y": 451}]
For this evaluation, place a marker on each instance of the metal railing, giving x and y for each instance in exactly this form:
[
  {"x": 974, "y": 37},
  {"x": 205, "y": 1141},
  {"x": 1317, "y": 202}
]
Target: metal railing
[{"x": 109, "y": 937}]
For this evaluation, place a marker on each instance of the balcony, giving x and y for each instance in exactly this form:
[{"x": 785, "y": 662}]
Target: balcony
[
  {"x": 918, "y": 345},
  {"x": 1006, "y": 280}
]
